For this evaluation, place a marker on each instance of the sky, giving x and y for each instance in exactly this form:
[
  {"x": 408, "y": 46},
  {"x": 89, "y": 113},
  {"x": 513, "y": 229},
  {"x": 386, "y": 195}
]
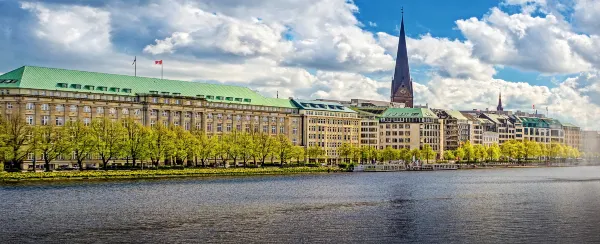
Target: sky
[{"x": 462, "y": 53}]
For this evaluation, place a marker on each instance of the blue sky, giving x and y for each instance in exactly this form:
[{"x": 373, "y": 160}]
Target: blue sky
[{"x": 461, "y": 53}]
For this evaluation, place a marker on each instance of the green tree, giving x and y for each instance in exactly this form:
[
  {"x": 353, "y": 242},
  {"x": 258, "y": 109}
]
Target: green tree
[
  {"x": 345, "y": 150},
  {"x": 136, "y": 140},
  {"x": 161, "y": 141},
  {"x": 82, "y": 140},
  {"x": 404, "y": 155},
  {"x": 299, "y": 153},
  {"x": 509, "y": 150},
  {"x": 428, "y": 153},
  {"x": 460, "y": 153},
  {"x": 315, "y": 152},
  {"x": 469, "y": 151},
  {"x": 283, "y": 147},
  {"x": 264, "y": 146},
  {"x": 182, "y": 143},
  {"x": 206, "y": 147},
  {"x": 531, "y": 149},
  {"x": 389, "y": 154},
  {"x": 246, "y": 146},
  {"x": 52, "y": 142},
  {"x": 416, "y": 154},
  {"x": 368, "y": 153},
  {"x": 108, "y": 140},
  {"x": 224, "y": 147},
  {"x": 480, "y": 152},
  {"x": 494, "y": 152},
  {"x": 18, "y": 136},
  {"x": 449, "y": 155}
]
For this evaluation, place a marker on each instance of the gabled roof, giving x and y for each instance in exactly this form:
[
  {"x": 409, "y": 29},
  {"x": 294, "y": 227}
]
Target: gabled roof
[
  {"x": 408, "y": 113},
  {"x": 456, "y": 114},
  {"x": 92, "y": 82},
  {"x": 321, "y": 106}
]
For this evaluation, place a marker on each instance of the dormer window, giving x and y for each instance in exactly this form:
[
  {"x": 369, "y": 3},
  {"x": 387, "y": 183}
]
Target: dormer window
[
  {"x": 76, "y": 86},
  {"x": 127, "y": 90},
  {"x": 102, "y": 88},
  {"x": 229, "y": 98},
  {"x": 210, "y": 97},
  {"x": 176, "y": 94},
  {"x": 238, "y": 99},
  {"x": 219, "y": 97},
  {"x": 88, "y": 87},
  {"x": 165, "y": 93},
  {"x": 154, "y": 92},
  {"x": 63, "y": 85},
  {"x": 200, "y": 96},
  {"x": 247, "y": 100},
  {"x": 115, "y": 89}
]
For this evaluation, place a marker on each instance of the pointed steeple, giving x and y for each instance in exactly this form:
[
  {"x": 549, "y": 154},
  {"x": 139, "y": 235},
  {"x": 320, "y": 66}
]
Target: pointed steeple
[
  {"x": 402, "y": 89},
  {"x": 500, "y": 108}
]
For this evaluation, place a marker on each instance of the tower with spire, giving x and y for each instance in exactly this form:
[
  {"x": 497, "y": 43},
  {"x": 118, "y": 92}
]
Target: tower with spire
[
  {"x": 402, "y": 89},
  {"x": 500, "y": 108}
]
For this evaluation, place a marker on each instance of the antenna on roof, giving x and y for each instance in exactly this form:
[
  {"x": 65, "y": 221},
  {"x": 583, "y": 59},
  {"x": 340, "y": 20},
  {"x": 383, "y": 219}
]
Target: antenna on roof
[{"x": 277, "y": 94}]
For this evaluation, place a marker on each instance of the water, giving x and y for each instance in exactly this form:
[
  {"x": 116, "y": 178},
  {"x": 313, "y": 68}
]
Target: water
[{"x": 543, "y": 205}]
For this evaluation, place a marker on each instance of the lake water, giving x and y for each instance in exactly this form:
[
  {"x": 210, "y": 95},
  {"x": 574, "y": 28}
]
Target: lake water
[{"x": 542, "y": 205}]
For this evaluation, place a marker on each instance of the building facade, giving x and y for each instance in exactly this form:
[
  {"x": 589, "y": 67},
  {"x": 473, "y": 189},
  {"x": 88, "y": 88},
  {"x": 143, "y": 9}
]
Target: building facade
[
  {"x": 328, "y": 125},
  {"x": 411, "y": 128},
  {"x": 572, "y": 135}
]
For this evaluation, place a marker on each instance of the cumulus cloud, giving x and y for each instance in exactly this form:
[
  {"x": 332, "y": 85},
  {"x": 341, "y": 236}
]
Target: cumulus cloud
[{"x": 319, "y": 49}]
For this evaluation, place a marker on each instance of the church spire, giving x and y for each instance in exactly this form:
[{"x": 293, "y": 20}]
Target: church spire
[
  {"x": 402, "y": 89},
  {"x": 500, "y": 108}
]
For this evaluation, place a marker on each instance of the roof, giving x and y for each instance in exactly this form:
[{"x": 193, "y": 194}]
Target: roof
[
  {"x": 321, "y": 106},
  {"x": 533, "y": 122},
  {"x": 456, "y": 114},
  {"x": 92, "y": 82},
  {"x": 569, "y": 125},
  {"x": 408, "y": 113}
]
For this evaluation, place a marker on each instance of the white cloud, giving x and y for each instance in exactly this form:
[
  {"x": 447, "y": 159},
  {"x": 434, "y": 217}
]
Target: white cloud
[
  {"x": 72, "y": 28},
  {"x": 586, "y": 15},
  {"x": 372, "y": 24}
]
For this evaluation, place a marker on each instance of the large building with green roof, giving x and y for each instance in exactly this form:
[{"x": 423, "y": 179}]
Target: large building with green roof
[{"x": 50, "y": 96}]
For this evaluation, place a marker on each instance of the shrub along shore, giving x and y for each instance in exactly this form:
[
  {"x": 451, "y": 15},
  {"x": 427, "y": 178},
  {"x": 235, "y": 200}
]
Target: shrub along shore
[{"x": 160, "y": 173}]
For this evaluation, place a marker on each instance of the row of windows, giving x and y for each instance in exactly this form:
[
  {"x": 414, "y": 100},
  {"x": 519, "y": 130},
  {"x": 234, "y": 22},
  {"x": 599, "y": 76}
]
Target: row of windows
[
  {"x": 331, "y": 114},
  {"x": 59, "y": 121},
  {"x": 333, "y": 121}
]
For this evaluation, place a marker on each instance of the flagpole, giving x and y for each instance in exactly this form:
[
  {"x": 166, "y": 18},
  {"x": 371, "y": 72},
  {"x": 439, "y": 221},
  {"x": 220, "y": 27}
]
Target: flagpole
[{"x": 135, "y": 66}]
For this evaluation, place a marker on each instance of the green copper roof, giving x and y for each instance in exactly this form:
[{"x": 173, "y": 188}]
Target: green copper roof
[
  {"x": 408, "y": 113},
  {"x": 321, "y": 106},
  {"x": 92, "y": 82}
]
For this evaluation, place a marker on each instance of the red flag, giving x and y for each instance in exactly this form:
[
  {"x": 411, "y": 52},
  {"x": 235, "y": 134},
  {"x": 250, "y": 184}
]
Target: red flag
[
  {"x": 534, "y": 106},
  {"x": 158, "y": 62}
]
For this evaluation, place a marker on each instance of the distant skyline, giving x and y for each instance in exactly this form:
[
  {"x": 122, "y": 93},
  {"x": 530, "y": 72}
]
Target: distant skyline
[{"x": 461, "y": 53}]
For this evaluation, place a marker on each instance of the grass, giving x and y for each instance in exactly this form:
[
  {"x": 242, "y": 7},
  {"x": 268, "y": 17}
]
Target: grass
[{"x": 161, "y": 173}]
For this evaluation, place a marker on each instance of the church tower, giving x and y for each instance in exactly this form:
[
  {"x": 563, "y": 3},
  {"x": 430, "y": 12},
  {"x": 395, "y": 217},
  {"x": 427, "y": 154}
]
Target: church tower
[
  {"x": 500, "y": 108},
  {"x": 402, "y": 89}
]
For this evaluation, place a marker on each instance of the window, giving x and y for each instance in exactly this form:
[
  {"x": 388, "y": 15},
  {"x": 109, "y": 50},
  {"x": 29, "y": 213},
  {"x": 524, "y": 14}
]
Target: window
[
  {"x": 228, "y": 127},
  {"x": 265, "y": 119},
  {"x": 86, "y": 121},
  {"x": 45, "y": 107},
  {"x": 167, "y": 101},
  {"x": 125, "y": 111},
  {"x": 30, "y": 120},
  {"x": 209, "y": 116},
  {"x": 247, "y": 117},
  {"x": 152, "y": 123},
  {"x": 247, "y": 128},
  {"x": 209, "y": 127},
  {"x": 9, "y": 106},
  {"x": 281, "y": 120},
  {"x": 265, "y": 129},
  {"x": 294, "y": 141},
  {"x": 29, "y": 106},
  {"x": 87, "y": 109},
  {"x": 177, "y": 101},
  {"x": 112, "y": 111},
  {"x": 155, "y": 99},
  {"x": 238, "y": 127},
  {"x": 177, "y": 114},
  {"x": 165, "y": 113},
  {"x": 165, "y": 123},
  {"x": 228, "y": 116},
  {"x": 281, "y": 130},
  {"x": 273, "y": 129},
  {"x": 273, "y": 119},
  {"x": 73, "y": 108},
  {"x": 295, "y": 131},
  {"x": 176, "y": 123},
  {"x": 199, "y": 125},
  {"x": 188, "y": 114},
  {"x": 219, "y": 127},
  {"x": 45, "y": 120},
  {"x": 219, "y": 116},
  {"x": 59, "y": 121},
  {"x": 186, "y": 125}
]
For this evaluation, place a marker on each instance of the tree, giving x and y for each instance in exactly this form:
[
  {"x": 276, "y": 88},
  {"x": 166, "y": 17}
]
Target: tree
[
  {"x": 206, "y": 147},
  {"x": 416, "y": 154},
  {"x": 52, "y": 142},
  {"x": 224, "y": 147},
  {"x": 404, "y": 155},
  {"x": 263, "y": 146},
  {"x": 449, "y": 155},
  {"x": 389, "y": 154},
  {"x": 460, "y": 153},
  {"x": 108, "y": 139},
  {"x": 18, "y": 137},
  {"x": 161, "y": 140},
  {"x": 82, "y": 140},
  {"x": 480, "y": 152},
  {"x": 136, "y": 140},
  {"x": 469, "y": 151},
  {"x": 246, "y": 147},
  {"x": 299, "y": 153},
  {"x": 345, "y": 150},
  {"x": 494, "y": 152},
  {"x": 315, "y": 152},
  {"x": 181, "y": 145},
  {"x": 428, "y": 152},
  {"x": 368, "y": 153},
  {"x": 531, "y": 149},
  {"x": 509, "y": 150},
  {"x": 284, "y": 148}
]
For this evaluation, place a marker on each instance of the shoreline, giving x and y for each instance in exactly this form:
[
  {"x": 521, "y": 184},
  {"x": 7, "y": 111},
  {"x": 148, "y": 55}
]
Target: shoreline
[{"x": 23, "y": 177}]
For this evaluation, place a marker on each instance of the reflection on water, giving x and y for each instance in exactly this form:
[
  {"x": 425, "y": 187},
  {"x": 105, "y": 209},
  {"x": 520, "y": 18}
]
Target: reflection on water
[{"x": 500, "y": 206}]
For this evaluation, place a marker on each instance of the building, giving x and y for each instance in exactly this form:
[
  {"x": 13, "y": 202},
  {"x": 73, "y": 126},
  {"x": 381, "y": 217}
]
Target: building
[
  {"x": 48, "y": 96},
  {"x": 500, "y": 124},
  {"x": 402, "y": 88},
  {"x": 411, "y": 128},
  {"x": 328, "y": 125},
  {"x": 369, "y": 128},
  {"x": 572, "y": 135},
  {"x": 475, "y": 129},
  {"x": 490, "y": 138},
  {"x": 542, "y": 130},
  {"x": 457, "y": 128},
  {"x": 591, "y": 143}
]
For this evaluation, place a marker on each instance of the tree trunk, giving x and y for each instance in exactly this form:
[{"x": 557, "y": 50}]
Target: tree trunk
[{"x": 47, "y": 164}]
